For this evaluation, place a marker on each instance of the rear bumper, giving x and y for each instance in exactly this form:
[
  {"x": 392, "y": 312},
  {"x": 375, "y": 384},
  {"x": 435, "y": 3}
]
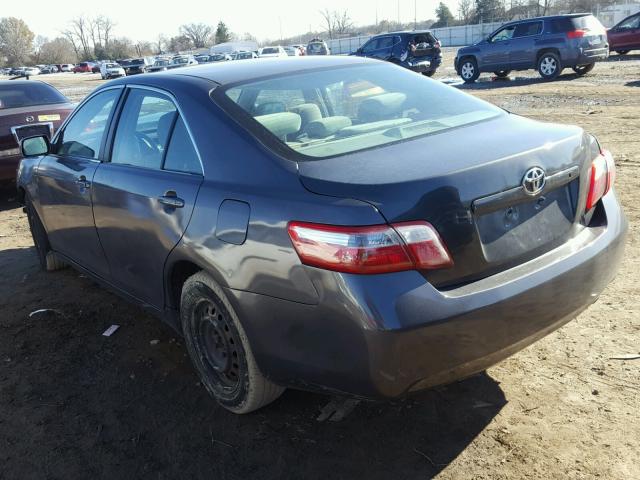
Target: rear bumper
[
  {"x": 385, "y": 335},
  {"x": 586, "y": 56},
  {"x": 423, "y": 65}
]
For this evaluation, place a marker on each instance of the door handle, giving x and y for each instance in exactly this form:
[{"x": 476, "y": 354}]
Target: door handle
[
  {"x": 170, "y": 199},
  {"x": 83, "y": 182}
]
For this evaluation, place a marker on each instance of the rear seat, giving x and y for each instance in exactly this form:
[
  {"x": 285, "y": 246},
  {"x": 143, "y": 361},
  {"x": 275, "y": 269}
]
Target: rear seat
[{"x": 281, "y": 124}]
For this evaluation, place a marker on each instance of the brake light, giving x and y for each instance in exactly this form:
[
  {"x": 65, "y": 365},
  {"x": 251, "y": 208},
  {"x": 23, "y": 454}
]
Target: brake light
[
  {"x": 370, "y": 249},
  {"x": 601, "y": 178},
  {"x": 438, "y": 44},
  {"x": 580, "y": 33}
]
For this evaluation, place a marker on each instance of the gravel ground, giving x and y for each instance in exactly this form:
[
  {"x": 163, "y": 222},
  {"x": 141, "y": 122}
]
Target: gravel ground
[{"x": 74, "y": 404}]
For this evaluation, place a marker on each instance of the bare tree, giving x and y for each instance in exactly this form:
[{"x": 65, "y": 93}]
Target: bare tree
[
  {"x": 465, "y": 10},
  {"x": 198, "y": 33},
  {"x": 327, "y": 15},
  {"x": 336, "y": 23},
  {"x": 58, "y": 50}
]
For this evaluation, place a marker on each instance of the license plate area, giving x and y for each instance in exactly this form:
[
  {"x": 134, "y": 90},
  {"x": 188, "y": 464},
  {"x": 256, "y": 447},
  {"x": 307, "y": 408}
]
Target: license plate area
[
  {"x": 512, "y": 231},
  {"x": 37, "y": 129}
]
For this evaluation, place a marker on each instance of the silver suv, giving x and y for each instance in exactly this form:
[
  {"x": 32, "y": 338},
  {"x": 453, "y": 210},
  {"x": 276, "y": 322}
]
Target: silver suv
[{"x": 547, "y": 44}]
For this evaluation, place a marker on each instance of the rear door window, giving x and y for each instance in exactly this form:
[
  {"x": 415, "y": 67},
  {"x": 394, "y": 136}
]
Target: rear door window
[
  {"x": 143, "y": 130},
  {"x": 181, "y": 153},
  {"x": 528, "y": 29}
]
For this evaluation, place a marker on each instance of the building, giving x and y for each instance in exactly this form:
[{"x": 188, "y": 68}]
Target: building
[{"x": 614, "y": 14}]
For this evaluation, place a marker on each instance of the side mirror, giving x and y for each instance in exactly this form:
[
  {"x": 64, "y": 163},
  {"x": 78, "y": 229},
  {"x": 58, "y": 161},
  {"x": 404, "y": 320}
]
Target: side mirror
[{"x": 35, "y": 146}]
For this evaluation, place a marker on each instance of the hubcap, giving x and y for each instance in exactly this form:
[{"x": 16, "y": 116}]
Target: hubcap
[
  {"x": 467, "y": 70},
  {"x": 548, "y": 66},
  {"x": 217, "y": 344}
]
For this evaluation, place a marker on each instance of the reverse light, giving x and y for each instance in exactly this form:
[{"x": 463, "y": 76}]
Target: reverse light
[
  {"x": 601, "y": 177},
  {"x": 370, "y": 249}
]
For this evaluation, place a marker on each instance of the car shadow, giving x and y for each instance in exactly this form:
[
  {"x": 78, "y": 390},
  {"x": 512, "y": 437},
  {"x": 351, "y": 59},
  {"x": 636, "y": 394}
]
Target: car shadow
[
  {"x": 8, "y": 196},
  {"x": 623, "y": 58},
  {"x": 131, "y": 406},
  {"x": 484, "y": 83},
  {"x": 634, "y": 83}
]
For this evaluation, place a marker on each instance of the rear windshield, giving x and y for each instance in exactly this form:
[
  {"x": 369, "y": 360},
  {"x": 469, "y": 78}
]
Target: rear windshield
[
  {"x": 270, "y": 50},
  {"x": 316, "y": 48},
  {"x": 36, "y": 93},
  {"x": 568, "y": 24},
  {"x": 337, "y": 111}
]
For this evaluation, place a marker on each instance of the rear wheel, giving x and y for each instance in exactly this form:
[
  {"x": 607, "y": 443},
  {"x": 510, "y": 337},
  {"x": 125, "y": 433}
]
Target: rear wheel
[
  {"x": 430, "y": 73},
  {"x": 583, "y": 69},
  {"x": 48, "y": 259},
  {"x": 502, "y": 73},
  {"x": 219, "y": 348},
  {"x": 549, "y": 66},
  {"x": 622, "y": 52},
  {"x": 469, "y": 70}
]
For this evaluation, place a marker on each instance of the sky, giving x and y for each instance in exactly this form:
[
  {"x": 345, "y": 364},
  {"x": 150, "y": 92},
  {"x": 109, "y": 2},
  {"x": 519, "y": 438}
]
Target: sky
[{"x": 144, "y": 20}]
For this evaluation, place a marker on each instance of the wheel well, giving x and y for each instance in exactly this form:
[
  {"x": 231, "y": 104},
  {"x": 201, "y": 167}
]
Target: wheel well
[
  {"x": 21, "y": 195},
  {"x": 179, "y": 273},
  {"x": 547, "y": 50},
  {"x": 464, "y": 59}
]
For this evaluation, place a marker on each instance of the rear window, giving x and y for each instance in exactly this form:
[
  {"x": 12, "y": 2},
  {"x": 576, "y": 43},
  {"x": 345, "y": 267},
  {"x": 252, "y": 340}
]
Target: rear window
[
  {"x": 337, "y": 111},
  {"x": 317, "y": 48},
  {"x": 568, "y": 24},
  {"x": 36, "y": 93},
  {"x": 270, "y": 50}
]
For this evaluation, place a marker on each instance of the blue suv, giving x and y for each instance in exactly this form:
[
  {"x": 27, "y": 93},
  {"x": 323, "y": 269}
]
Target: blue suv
[
  {"x": 417, "y": 50},
  {"x": 547, "y": 44}
]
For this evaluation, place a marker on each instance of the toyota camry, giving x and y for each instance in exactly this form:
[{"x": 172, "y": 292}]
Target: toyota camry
[{"x": 335, "y": 224}]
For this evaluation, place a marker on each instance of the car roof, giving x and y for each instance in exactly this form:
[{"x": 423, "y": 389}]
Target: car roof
[
  {"x": 232, "y": 72},
  {"x": 550, "y": 17}
]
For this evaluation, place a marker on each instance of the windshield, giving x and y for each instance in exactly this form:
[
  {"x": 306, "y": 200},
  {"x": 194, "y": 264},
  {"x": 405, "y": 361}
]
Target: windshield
[
  {"x": 180, "y": 60},
  {"x": 19, "y": 95},
  {"x": 112, "y": 65},
  {"x": 269, "y": 50},
  {"x": 342, "y": 110},
  {"x": 316, "y": 48},
  {"x": 161, "y": 63}
]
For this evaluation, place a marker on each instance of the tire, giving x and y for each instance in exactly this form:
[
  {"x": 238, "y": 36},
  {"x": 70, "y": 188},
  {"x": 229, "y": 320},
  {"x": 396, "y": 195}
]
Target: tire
[
  {"x": 583, "y": 69},
  {"x": 502, "y": 73},
  {"x": 219, "y": 348},
  {"x": 48, "y": 259},
  {"x": 430, "y": 73},
  {"x": 469, "y": 70},
  {"x": 622, "y": 52},
  {"x": 549, "y": 66}
]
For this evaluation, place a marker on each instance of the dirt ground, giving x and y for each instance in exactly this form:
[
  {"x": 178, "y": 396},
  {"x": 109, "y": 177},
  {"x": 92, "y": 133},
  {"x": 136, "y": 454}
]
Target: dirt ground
[{"x": 75, "y": 404}]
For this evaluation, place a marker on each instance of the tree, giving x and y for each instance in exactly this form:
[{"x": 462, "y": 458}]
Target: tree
[
  {"x": 180, "y": 44},
  {"x": 465, "y": 11},
  {"x": 16, "y": 40},
  {"x": 222, "y": 33},
  {"x": 489, "y": 11},
  {"x": 199, "y": 33},
  {"x": 59, "y": 50},
  {"x": 120, "y": 48},
  {"x": 444, "y": 16},
  {"x": 336, "y": 23}
]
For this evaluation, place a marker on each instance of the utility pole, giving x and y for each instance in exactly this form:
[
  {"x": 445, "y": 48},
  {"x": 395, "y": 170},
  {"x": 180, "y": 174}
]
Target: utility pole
[
  {"x": 415, "y": 14},
  {"x": 398, "y": 14}
]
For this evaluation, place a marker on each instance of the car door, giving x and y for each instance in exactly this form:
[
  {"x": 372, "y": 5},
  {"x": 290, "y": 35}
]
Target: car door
[
  {"x": 64, "y": 180},
  {"x": 495, "y": 53},
  {"x": 144, "y": 195},
  {"x": 522, "y": 51},
  {"x": 626, "y": 35}
]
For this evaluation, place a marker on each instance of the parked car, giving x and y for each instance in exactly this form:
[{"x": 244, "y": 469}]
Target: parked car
[
  {"x": 67, "y": 67},
  {"x": 48, "y": 69},
  {"x": 335, "y": 256},
  {"x": 418, "y": 51},
  {"x": 317, "y": 47},
  {"x": 243, "y": 55},
  {"x": 179, "y": 61},
  {"x": 202, "y": 58},
  {"x": 159, "y": 65},
  {"x": 625, "y": 36},
  {"x": 27, "y": 108},
  {"x": 292, "y": 51},
  {"x": 135, "y": 66},
  {"x": 96, "y": 67},
  {"x": 221, "y": 57},
  {"x": 302, "y": 48},
  {"x": 5, "y": 71},
  {"x": 30, "y": 71},
  {"x": 548, "y": 44},
  {"x": 83, "y": 67},
  {"x": 272, "y": 52},
  {"x": 111, "y": 70}
]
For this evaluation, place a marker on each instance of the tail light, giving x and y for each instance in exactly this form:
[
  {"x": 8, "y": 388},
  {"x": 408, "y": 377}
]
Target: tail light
[
  {"x": 580, "y": 33},
  {"x": 601, "y": 178},
  {"x": 438, "y": 44},
  {"x": 370, "y": 249}
]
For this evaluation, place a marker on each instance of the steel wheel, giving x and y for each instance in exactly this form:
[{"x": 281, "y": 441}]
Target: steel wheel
[{"x": 549, "y": 66}]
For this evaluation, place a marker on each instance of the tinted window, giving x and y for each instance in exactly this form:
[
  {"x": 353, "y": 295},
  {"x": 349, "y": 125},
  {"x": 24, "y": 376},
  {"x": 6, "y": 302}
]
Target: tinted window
[
  {"x": 181, "y": 154},
  {"x": 385, "y": 42},
  {"x": 528, "y": 29},
  {"x": 630, "y": 23},
  {"x": 143, "y": 129},
  {"x": 370, "y": 45},
  {"x": 504, "y": 34},
  {"x": 22, "y": 95},
  {"x": 83, "y": 134},
  {"x": 370, "y": 106}
]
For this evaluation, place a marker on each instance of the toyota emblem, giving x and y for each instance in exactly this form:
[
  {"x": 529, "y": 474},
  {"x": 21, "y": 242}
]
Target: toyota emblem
[{"x": 534, "y": 181}]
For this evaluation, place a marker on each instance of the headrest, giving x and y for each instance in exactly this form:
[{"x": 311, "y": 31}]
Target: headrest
[
  {"x": 164, "y": 125},
  {"x": 381, "y": 107},
  {"x": 280, "y": 124},
  {"x": 309, "y": 112},
  {"x": 327, "y": 126}
]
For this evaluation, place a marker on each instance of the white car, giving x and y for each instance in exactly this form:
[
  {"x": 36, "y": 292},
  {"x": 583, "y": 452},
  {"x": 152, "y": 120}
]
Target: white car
[
  {"x": 270, "y": 52},
  {"x": 111, "y": 70},
  {"x": 292, "y": 51},
  {"x": 29, "y": 71},
  {"x": 67, "y": 67}
]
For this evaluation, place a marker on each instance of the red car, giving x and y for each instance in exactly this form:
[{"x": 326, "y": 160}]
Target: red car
[
  {"x": 83, "y": 67},
  {"x": 625, "y": 36},
  {"x": 27, "y": 108}
]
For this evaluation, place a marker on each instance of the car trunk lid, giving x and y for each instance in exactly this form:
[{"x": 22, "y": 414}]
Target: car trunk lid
[{"x": 468, "y": 183}]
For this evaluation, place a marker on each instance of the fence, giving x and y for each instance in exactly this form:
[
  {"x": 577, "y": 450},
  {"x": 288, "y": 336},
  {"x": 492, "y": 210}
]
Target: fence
[{"x": 449, "y": 37}]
